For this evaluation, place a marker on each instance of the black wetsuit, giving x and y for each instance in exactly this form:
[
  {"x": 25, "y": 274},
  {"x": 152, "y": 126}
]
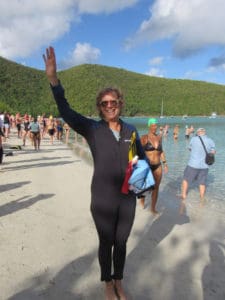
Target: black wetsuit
[{"x": 112, "y": 211}]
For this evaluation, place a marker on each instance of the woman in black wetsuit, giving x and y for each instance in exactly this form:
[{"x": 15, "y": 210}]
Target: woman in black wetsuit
[
  {"x": 152, "y": 144},
  {"x": 110, "y": 141}
]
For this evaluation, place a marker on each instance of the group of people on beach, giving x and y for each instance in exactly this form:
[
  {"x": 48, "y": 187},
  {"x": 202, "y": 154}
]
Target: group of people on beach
[{"x": 33, "y": 128}]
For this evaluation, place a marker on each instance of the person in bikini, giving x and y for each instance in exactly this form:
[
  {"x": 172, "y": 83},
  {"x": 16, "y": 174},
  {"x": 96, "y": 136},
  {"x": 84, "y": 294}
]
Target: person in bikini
[
  {"x": 152, "y": 144},
  {"x": 26, "y": 124}
]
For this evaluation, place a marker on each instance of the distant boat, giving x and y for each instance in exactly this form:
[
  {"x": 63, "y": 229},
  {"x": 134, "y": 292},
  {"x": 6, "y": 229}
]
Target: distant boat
[
  {"x": 213, "y": 115},
  {"x": 184, "y": 117}
]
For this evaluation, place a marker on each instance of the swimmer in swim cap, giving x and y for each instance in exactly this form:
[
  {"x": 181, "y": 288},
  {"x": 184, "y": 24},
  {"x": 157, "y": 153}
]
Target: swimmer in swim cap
[
  {"x": 152, "y": 121},
  {"x": 152, "y": 144}
]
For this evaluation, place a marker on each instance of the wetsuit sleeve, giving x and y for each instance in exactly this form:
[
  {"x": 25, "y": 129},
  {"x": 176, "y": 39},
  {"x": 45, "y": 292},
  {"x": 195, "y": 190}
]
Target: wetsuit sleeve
[{"x": 76, "y": 121}]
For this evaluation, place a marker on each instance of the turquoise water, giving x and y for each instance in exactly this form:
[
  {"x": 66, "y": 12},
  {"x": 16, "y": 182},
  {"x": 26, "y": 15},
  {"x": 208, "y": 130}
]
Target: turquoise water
[{"x": 177, "y": 154}]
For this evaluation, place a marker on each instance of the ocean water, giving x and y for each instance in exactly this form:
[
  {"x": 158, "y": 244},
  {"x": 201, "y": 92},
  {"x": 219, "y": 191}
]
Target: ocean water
[{"x": 177, "y": 155}]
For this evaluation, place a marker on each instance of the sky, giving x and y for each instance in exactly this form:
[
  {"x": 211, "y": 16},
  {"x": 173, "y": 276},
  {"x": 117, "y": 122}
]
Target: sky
[{"x": 182, "y": 39}]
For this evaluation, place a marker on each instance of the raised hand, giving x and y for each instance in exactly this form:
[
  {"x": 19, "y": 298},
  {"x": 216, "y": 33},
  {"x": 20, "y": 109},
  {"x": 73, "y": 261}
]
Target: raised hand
[{"x": 50, "y": 65}]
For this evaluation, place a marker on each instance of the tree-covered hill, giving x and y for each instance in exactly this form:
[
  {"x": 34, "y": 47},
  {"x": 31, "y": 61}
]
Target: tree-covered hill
[{"x": 25, "y": 89}]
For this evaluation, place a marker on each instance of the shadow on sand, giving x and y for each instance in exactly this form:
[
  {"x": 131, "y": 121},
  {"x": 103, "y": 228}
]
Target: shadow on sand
[{"x": 22, "y": 203}]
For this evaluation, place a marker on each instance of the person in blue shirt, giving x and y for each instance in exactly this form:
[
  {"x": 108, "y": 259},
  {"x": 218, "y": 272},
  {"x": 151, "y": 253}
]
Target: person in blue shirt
[{"x": 196, "y": 168}]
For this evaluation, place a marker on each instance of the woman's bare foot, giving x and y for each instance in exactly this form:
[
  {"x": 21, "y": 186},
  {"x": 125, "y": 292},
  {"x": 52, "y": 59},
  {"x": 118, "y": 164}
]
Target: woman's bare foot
[
  {"x": 181, "y": 196},
  {"x": 119, "y": 290},
  {"x": 110, "y": 291},
  {"x": 154, "y": 212}
]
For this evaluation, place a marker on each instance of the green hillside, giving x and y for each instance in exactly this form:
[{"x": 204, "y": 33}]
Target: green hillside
[{"x": 25, "y": 89}]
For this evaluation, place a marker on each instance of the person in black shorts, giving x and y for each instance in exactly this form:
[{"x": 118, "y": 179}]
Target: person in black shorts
[{"x": 109, "y": 140}]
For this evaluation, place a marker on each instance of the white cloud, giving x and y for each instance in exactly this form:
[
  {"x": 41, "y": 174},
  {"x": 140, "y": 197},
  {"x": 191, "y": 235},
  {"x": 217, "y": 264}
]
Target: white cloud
[
  {"x": 214, "y": 69},
  {"x": 96, "y": 6},
  {"x": 193, "y": 74},
  {"x": 155, "y": 72},
  {"x": 156, "y": 60},
  {"x": 27, "y": 25},
  {"x": 82, "y": 53},
  {"x": 192, "y": 25}
]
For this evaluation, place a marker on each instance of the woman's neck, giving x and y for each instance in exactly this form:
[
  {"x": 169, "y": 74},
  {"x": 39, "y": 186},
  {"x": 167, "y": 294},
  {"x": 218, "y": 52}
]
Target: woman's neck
[
  {"x": 152, "y": 134},
  {"x": 114, "y": 125}
]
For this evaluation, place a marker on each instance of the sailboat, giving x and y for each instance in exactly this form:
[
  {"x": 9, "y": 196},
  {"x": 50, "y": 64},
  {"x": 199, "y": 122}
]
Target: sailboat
[
  {"x": 213, "y": 115},
  {"x": 161, "y": 113}
]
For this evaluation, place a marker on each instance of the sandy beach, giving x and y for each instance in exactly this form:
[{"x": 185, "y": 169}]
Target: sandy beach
[{"x": 48, "y": 248}]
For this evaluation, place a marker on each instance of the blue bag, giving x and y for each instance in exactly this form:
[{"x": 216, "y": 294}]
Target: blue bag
[{"x": 141, "y": 179}]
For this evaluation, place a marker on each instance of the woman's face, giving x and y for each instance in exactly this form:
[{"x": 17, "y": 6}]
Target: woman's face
[
  {"x": 110, "y": 107},
  {"x": 153, "y": 128}
]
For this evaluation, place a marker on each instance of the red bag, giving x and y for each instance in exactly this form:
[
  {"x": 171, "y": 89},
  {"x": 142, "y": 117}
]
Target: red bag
[{"x": 125, "y": 186}]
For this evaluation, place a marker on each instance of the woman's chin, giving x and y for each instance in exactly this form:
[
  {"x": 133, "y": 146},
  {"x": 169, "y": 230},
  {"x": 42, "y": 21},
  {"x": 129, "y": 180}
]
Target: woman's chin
[{"x": 111, "y": 118}]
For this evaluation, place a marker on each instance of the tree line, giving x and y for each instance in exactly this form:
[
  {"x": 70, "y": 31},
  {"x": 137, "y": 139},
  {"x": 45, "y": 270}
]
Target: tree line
[{"x": 26, "y": 90}]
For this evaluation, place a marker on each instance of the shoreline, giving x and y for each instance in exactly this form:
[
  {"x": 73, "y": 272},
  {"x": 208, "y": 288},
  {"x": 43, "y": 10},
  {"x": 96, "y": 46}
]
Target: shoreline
[{"x": 48, "y": 247}]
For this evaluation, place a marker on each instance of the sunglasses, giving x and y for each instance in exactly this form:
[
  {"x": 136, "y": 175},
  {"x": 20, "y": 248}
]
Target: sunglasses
[{"x": 113, "y": 103}]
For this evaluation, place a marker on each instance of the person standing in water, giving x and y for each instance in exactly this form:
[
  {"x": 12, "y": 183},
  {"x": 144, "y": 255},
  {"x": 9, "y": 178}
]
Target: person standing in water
[
  {"x": 176, "y": 130},
  {"x": 109, "y": 140},
  {"x": 197, "y": 169},
  {"x": 152, "y": 143}
]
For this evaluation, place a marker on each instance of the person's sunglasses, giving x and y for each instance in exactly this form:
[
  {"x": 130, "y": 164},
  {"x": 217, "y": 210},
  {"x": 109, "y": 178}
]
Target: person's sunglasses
[{"x": 113, "y": 103}]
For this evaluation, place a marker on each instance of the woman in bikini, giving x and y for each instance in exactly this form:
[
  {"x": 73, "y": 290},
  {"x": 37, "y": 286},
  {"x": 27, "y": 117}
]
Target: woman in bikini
[
  {"x": 152, "y": 144},
  {"x": 26, "y": 124}
]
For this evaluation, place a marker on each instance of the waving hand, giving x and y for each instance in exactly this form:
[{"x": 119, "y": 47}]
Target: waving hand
[{"x": 50, "y": 65}]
